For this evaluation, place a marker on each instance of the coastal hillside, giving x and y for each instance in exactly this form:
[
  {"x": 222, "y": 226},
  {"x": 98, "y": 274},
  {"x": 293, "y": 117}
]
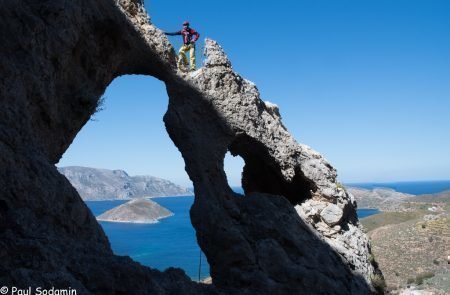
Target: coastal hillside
[
  {"x": 411, "y": 243},
  {"x": 384, "y": 199},
  {"x": 136, "y": 211},
  {"x": 443, "y": 197},
  {"x": 101, "y": 184}
]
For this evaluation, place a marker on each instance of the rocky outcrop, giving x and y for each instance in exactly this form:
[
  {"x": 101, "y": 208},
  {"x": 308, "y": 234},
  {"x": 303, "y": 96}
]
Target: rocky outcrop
[
  {"x": 136, "y": 211},
  {"x": 56, "y": 60},
  {"x": 294, "y": 231},
  {"x": 95, "y": 184},
  {"x": 216, "y": 105}
]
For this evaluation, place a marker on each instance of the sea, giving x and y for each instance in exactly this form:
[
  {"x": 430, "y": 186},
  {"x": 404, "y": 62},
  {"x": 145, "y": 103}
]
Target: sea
[
  {"x": 408, "y": 187},
  {"x": 172, "y": 243},
  {"x": 169, "y": 243}
]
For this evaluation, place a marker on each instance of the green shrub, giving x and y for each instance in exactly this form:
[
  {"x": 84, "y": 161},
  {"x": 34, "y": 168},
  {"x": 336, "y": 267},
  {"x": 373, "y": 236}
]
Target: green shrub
[
  {"x": 423, "y": 276},
  {"x": 99, "y": 107},
  {"x": 373, "y": 261},
  {"x": 378, "y": 283},
  {"x": 339, "y": 185}
]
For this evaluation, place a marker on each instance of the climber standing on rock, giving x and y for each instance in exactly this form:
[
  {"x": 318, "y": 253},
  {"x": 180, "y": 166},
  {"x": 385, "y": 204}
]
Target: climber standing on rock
[{"x": 189, "y": 38}]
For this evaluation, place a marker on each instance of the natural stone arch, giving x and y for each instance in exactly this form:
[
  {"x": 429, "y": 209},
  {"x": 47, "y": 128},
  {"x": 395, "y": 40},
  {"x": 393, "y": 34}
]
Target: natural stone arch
[
  {"x": 262, "y": 174},
  {"x": 53, "y": 75},
  {"x": 218, "y": 107},
  {"x": 57, "y": 59}
]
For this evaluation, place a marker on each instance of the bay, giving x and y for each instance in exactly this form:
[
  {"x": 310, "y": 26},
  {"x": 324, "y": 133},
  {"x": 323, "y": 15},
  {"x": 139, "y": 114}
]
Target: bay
[
  {"x": 172, "y": 243},
  {"x": 169, "y": 243},
  {"x": 362, "y": 213}
]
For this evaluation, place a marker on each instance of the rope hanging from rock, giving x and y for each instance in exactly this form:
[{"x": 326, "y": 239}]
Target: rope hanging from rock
[{"x": 199, "y": 265}]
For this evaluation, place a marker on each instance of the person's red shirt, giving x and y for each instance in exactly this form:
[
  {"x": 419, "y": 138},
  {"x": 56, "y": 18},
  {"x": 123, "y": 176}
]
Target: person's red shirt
[{"x": 189, "y": 35}]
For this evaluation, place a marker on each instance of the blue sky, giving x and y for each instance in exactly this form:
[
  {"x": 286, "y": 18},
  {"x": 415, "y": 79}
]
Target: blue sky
[{"x": 365, "y": 83}]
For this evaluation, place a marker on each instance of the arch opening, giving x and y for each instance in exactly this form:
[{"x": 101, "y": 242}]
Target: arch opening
[
  {"x": 233, "y": 167},
  {"x": 128, "y": 138},
  {"x": 263, "y": 175}
]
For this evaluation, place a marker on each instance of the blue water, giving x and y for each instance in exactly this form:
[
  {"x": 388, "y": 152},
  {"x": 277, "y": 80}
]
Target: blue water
[
  {"x": 366, "y": 212},
  {"x": 409, "y": 187},
  {"x": 172, "y": 241}
]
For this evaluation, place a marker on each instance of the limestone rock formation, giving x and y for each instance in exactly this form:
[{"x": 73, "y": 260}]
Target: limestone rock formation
[
  {"x": 216, "y": 105},
  {"x": 136, "y": 211},
  {"x": 56, "y": 59},
  {"x": 95, "y": 184}
]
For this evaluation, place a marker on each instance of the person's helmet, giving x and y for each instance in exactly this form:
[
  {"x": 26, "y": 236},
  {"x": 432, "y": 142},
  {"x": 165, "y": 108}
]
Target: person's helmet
[{"x": 186, "y": 23}]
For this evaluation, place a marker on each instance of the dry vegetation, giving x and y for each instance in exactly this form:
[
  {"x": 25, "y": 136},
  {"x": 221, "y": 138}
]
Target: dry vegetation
[
  {"x": 388, "y": 218},
  {"x": 411, "y": 247}
]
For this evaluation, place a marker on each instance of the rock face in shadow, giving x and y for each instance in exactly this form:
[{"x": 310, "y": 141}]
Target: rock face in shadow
[
  {"x": 295, "y": 228},
  {"x": 56, "y": 60},
  {"x": 294, "y": 231}
]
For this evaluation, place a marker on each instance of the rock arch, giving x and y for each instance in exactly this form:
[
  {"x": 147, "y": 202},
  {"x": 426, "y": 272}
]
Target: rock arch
[{"x": 57, "y": 59}]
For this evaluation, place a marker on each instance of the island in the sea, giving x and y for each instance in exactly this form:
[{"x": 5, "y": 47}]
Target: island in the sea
[{"x": 136, "y": 211}]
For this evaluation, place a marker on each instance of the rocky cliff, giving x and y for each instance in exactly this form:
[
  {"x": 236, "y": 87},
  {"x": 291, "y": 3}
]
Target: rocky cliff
[
  {"x": 294, "y": 231},
  {"x": 95, "y": 184}
]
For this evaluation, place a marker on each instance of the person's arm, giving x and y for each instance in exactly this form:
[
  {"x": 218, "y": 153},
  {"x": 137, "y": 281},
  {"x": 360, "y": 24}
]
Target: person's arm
[
  {"x": 195, "y": 34},
  {"x": 173, "y": 34}
]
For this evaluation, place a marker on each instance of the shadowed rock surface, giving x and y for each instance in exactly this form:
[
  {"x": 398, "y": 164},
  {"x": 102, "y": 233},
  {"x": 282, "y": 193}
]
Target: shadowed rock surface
[
  {"x": 136, "y": 211},
  {"x": 256, "y": 248},
  {"x": 95, "y": 184},
  {"x": 56, "y": 60},
  {"x": 294, "y": 231}
]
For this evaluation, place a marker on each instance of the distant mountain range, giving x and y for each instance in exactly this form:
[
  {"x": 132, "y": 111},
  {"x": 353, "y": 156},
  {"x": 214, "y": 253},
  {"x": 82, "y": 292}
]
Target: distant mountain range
[
  {"x": 95, "y": 184},
  {"x": 389, "y": 200}
]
